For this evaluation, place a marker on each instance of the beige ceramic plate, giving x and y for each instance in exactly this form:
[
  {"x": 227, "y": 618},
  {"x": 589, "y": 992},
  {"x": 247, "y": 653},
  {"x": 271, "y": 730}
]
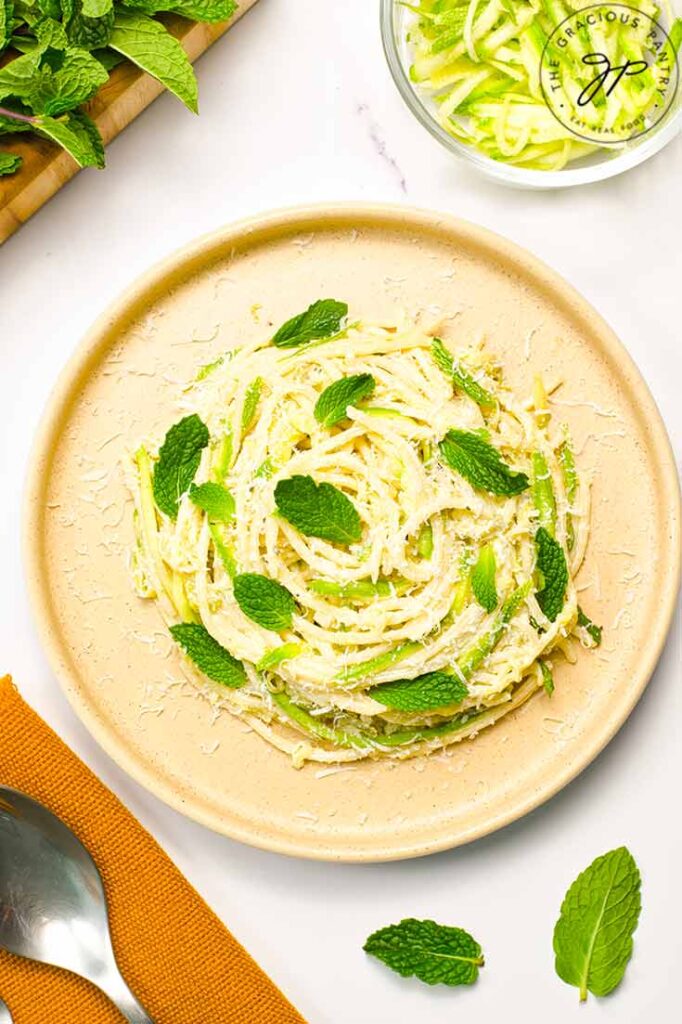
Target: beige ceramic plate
[{"x": 109, "y": 649}]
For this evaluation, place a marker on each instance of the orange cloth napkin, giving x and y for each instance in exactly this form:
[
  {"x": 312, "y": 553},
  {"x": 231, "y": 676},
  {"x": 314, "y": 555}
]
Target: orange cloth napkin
[{"x": 175, "y": 954}]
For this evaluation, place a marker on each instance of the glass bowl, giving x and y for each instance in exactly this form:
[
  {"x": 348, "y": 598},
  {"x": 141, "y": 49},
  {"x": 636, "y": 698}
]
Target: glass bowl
[{"x": 604, "y": 163}]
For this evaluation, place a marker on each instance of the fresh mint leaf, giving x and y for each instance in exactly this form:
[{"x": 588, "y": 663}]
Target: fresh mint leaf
[
  {"x": 9, "y": 163},
  {"x": 599, "y": 914},
  {"x": 17, "y": 78},
  {"x": 95, "y": 8},
  {"x": 425, "y": 693},
  {"x": 50, "y": 8},
  {"x": 320, "y": 320},
  {"x": 76, "y": 78},
  {"x": 551, "y": 565},
  {"x": 77, "y": 134},
  {"x": 215, "y": 500},
  {"x": 10, "y": 125},
  {"x": 178, "y": 462},
  {"x": 586, "y": 624},
  {"x": 208, "y": 655},
  {"x": 148, "y": 44},
  {"x": 209, "y": 11},
  {"x": 480, "y": 463},
  {"x": 434, "y": 953},
  {"x": 88, "y": 23},
  {"x": 332, "y": 405},
  {"x": 461, "y": 379},
  {"x": 318, "y": 510},
  {"x": 483, "y": 578},
  {"x": 264, "y": 601},
  {"x": 108, "y": 59},
  {"x": 6, "y": 19}
]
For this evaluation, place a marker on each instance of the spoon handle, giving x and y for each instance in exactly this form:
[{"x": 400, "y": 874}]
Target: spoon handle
[{"x": 115, "y": 987}]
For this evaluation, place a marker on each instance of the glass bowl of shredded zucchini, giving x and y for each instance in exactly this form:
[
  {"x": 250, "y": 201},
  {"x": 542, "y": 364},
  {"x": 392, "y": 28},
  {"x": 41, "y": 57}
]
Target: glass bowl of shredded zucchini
[
  {"x": 362, "y": 542},
  {"x": 539, "y": 93}
]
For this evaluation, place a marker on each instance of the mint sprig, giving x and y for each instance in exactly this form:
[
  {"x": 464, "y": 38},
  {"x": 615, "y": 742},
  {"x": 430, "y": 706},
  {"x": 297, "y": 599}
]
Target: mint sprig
[
  {"x": 320, "y": 320},
  {"x": 178, "y": 462},
  {"x": 553, "y": 571},
  {"x": 264, "y": 601},
  {"x": 332, "y": 405},
  {"x": 59, "y": 53},
  {"x": 599, "y": 914},
  {"x": 208, "y": 655},
  {"x": 480, "y": 463},
  {"x": 436, "y": 954},
  {"x": 318, "y": 510},
  {"x": 483, "y": 578}
]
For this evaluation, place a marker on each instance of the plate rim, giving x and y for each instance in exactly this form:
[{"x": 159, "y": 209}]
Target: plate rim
[{"x": 74, "y": 371}]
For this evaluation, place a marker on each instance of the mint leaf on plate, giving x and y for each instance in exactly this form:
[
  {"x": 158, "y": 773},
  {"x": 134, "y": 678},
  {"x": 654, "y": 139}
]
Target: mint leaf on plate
[
  {"x": 215, "y": 500},
  {"x": 434, "y": 953},
  {"x": 320, "y": 320},
  {"x": 264, "y": 601},
  {"x": 480, "y": 463},
  {"x": 208, "y": 655},
  {"x": 551, "y": 564},
  {"x": 599, "y": 914},
  {"x": 318, "y": 510},
  {"x": 149, "y": 45},
  {"x": 179, "y": 458},
  {"x": 483, "y": 578},
  {"x": 332, "y": 405},
  {"x": 425, "y": 693}
]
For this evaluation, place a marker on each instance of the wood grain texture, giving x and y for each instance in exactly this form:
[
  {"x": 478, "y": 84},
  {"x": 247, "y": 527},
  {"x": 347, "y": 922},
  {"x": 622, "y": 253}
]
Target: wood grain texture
[{"x": 46, "y": 167}]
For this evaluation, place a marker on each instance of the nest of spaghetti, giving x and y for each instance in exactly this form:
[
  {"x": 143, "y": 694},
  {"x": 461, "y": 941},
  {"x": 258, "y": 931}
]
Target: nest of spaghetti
[{"x": 361, "y": 541}]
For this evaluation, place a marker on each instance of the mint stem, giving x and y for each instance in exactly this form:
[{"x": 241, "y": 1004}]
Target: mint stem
[{"x": 4, "y": 112}]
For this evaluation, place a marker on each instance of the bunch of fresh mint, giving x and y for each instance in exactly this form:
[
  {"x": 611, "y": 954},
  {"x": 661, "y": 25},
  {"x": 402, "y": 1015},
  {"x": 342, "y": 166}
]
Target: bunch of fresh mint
[{"x": 56, "y": 54}]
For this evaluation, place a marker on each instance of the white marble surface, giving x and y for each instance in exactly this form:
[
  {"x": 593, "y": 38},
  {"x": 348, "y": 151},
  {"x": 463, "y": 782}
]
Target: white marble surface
[{"x": 298, "y": 105}]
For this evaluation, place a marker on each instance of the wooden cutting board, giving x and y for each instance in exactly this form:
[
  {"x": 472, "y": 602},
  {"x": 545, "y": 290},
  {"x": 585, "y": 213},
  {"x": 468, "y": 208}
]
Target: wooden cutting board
[{"x": 46, "y": 167}]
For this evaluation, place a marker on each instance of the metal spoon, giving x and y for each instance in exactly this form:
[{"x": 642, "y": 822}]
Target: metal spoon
[
  {"x": 5, "y": 1015},
  {"x": 52, "y": 903}
]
